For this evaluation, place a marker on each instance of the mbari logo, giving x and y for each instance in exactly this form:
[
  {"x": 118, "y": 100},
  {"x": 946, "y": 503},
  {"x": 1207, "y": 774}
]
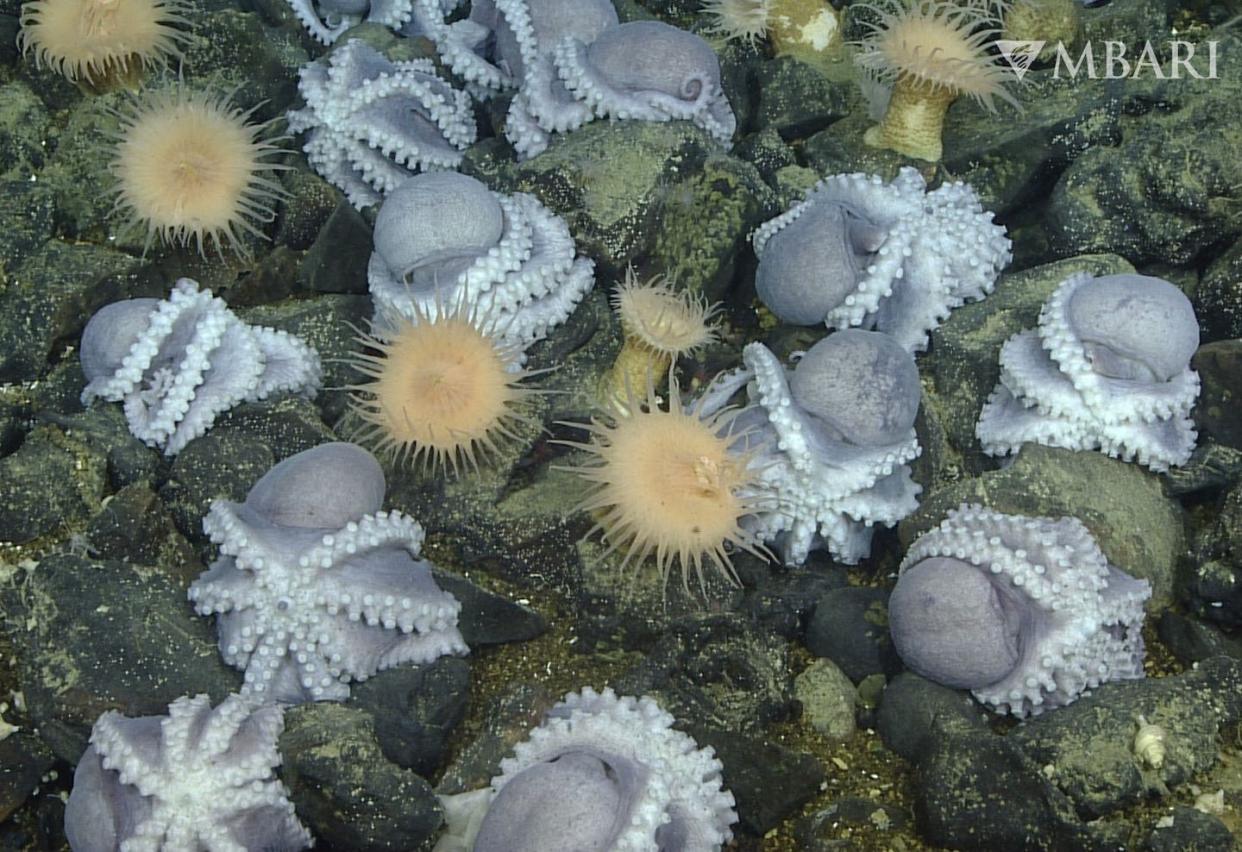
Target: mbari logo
[{"x": 1115, "y": 62}]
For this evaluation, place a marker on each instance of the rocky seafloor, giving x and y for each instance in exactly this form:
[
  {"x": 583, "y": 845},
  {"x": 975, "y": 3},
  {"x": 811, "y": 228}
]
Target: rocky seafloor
[{"x": 826, "y": 742}]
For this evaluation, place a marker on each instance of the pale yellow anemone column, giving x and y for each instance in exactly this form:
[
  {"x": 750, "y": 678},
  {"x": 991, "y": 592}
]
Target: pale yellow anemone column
[
  {"x": 659, "y": 324},
  {"x": 930, "y": 52}
]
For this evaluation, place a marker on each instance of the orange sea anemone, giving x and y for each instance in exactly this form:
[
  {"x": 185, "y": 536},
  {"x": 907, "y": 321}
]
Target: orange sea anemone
[
  {"x": 669, "y": 484},
  {"x": 102, "y": 43},
  {"x": 190, "y": 168},
  {"x": 660, "y": 324},
  {"x": 931, "y": 52},
  {"x": 443, "y": 390}
]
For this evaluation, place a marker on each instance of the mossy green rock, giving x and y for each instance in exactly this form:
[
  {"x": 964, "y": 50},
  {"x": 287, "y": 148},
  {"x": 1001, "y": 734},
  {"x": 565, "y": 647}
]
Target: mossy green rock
[
  {"x": 1002, "y": 153},
  {"x": 1218, "y": 298},
  {"x": 24, "y": 123},
  {"x": 706, "y": 219},
  {"x": 1169, "y": 191},
  {"x": 98, "y": 635},
  {"x": 608, "y": 180},
  {"x": 797, "y": 100},
  {"x": 346, "y": 792},
  {"x": 1122, "y": 504},
  {"x": 47, "y": 300},
  {"x": 52, "y": 481},
  {"x": 1218, "y": 412}
]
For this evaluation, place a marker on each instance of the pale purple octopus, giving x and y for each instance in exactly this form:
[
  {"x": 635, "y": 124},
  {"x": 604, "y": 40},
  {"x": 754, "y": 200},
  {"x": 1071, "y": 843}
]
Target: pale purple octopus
[
  {"x": 198, "y": 778},
  {"x": 177, "y": 363},
  {"x": 327, "y": 20},
  {"x": 891, "y": 257},
  {"x": 830, "y": 441},
  {"x": 316, "y": 585},
  {"x": 501, "y": 41},
  {"x": 602, "y": 772},
  {"x": 1027, "y": 613},
  {"x": 444, "y": 241},
  {"x": 572, "y": 62},
  {"x": 1108, "y": 369},
  {"x": 371, "y": 123}
]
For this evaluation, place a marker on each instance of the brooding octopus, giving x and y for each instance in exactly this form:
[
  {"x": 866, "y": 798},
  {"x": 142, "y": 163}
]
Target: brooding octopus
[
  {"x": 1026, "y": 613},
  {"x": 178, "y": 363},
  {"x": 444, "y": 241},
  {"x": 1108, "y": 368},
  {"x": 890, "y": 257},
  {"x": 602, "y": 772},
  {"x": 571, "y": 62},
  {"x": 829, "y": 441}
]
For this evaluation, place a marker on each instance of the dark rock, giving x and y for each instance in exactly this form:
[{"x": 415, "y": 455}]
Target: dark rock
[
  {"x": 133, "y": 526},
  {"x": 767, "y": 152},
  {"x": 1211, "y": 467},
  {"x": 1165, "y": 194},
  {"x": 850, "y": 627},
  {"x": 1192, "y": 641},
  {"x": 1090, "y": 743},
  {"x": 796, "y": 100},
  {"x": 337, "y": 260},
  {"x": 1006, "y": 157},
  {"x": 634, "y": 606},
  {"x": 52, "y": 481},
  {"x": 1131, "y": 23},
  {"x": 213, "y": 467},
  {"x": 27, "y": 219},
  {"x": 287, "y": 425},
  {"x": 782, "y": 601},
  {"x": 270, "y": 279},
  {"x": 345, "y": 791},
  {"x": 718, "y": 668},
  {"x": 24, "y": 129},
  {"x": 913, "y": 709},
  {"x": 1218, "y": 412},
  {"x": 132, "y": 462},
  {"x": 1190, "y": 830},
  {"x": 489, "y": 619},
  {"x": 983, "y": 793},
  {"x": 95, "y": 635},
  {"x": 769, "y": 782},
  {"x": 1218, "y": 298},
  {"x": 256, "y": 63},
  {"x": 1215, "y": 585},
  {"x": 414, "y": 710},
  {"x": 48, "y": 300},
  {"x": 23, "y": 760},
  {"x": 311, "y": 203},
  {"x": 508, "y": 719}
]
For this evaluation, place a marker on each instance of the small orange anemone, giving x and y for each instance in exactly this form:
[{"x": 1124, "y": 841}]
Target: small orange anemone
[
  {"x": 669, "y": 484},
  {"x": 101, "y": 44},
  {"x": 189, "y": 168},
  {"x": 443, "y": 390},
  {"x": 659, "y": 324},
  {"x": 931, "y": 51}
]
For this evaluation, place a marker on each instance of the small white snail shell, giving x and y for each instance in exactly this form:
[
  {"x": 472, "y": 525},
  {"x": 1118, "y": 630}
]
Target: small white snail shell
[{"x": 1149, "y": 743}]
